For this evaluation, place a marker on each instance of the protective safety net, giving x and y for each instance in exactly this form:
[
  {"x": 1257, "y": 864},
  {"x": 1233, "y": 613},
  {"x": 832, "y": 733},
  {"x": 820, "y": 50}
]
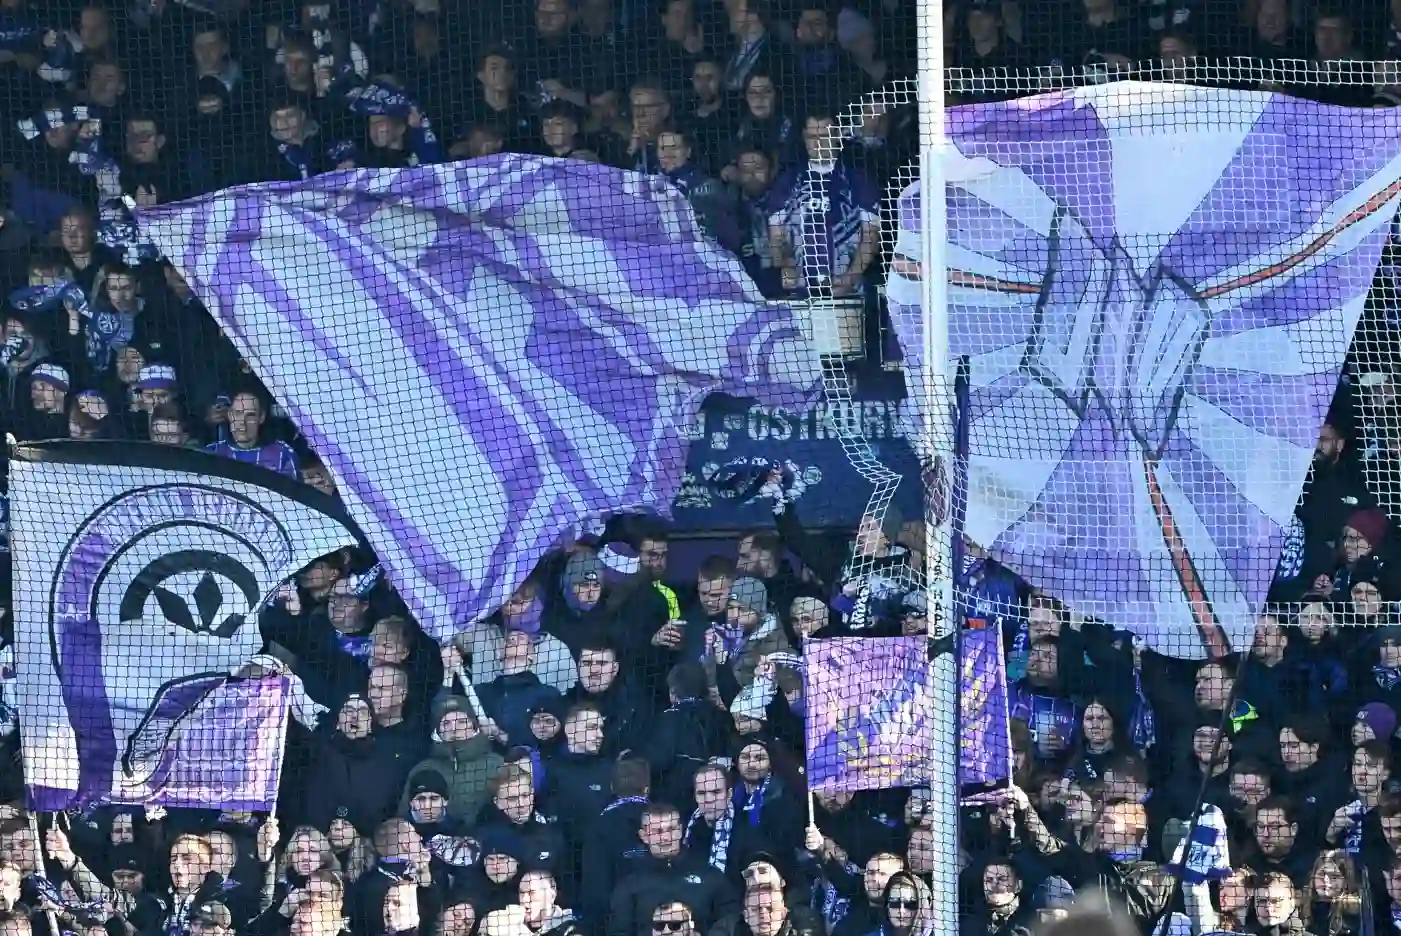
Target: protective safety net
[{"x": 540, "y": 469}]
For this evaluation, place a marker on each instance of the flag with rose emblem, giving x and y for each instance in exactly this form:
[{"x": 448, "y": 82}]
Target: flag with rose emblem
[
  {"x": 484, "y": 354},
  {"x": 1155, "y": 286}
]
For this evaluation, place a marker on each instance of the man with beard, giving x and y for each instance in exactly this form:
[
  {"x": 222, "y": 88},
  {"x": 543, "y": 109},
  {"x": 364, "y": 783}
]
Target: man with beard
[
  {"x": 668, "y": 872},
  {"x": 1278, "y": 846},
  {"x": 762, "y": 801},
  {"x": 602, "y": 685}
]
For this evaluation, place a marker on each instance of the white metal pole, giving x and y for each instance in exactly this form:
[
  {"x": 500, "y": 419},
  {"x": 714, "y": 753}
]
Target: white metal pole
[{"x": 938, "y": 385}]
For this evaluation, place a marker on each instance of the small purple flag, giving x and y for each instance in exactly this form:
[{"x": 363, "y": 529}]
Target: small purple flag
[
  {"x": 985, "y": 748},
  {"x": 870, "y": 713},
  {"x": 175, "y": 756}
]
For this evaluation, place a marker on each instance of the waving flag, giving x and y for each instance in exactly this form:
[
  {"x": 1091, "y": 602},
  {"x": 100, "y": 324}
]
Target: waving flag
[
  {"x": 164, "y": 556},
  {"x": 870, "y": 712},
  {"x": 1155, "y": 285},
  {"x": 484, "y": 354}
]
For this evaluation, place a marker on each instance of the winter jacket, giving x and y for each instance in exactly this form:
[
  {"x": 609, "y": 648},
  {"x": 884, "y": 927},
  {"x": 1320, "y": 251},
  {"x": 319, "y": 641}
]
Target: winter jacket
[
  {"x": 655, "y": 881},
  {"x": 508, "y": 701},
  {"x": 468, "y": 766}
]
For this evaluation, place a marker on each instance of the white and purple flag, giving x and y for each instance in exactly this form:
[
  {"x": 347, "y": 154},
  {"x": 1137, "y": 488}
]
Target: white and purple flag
[
  {"x": 138, "y": 577},
  {"x": 1155, "y": 286},
  {"x": 484, "y": 354}
]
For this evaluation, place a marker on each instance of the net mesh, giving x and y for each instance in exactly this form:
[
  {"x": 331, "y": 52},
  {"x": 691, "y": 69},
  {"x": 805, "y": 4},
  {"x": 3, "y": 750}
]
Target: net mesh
[{"x": 355, "y": 611}]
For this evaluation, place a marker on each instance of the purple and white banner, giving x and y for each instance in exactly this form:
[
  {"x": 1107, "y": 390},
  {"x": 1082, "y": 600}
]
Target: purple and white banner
[
  {"x": 487, "y": 353},
  {"x": 869, "y": 714},
  {"x": 985, "y": 744},
  {"x": 1155, "y": 286},
  {"x": 136, "y": 595}
]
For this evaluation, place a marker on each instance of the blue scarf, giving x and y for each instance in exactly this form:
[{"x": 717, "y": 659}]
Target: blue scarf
[
  {"x": 752, "y": 804},
  {"x": 355, "y": 645},
  {"x": 376, "y": 100},
  {"x": 117, "y": 231},
  {"x": 734, "y": 640},
  {"x": 618, "y": 803},
  {"x": 1143, "y": 726},
  {"x": 16, "y": 33},
  {"x": 1387, "y": 677},
  {"x": 45, "y": 298},
  {"x": 107, "y": 331}
]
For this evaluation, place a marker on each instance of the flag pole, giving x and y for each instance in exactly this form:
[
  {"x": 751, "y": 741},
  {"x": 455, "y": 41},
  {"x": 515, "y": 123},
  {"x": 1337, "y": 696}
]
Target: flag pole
[
  {"x": 40, "y": 852},
  {"x": 939, "y": 423}
]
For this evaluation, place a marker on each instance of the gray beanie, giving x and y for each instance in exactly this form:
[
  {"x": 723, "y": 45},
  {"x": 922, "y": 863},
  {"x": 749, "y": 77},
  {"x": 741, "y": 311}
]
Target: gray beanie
[
  {"x": 750, "y": 593},
  {"x": 583, "y": 566}
]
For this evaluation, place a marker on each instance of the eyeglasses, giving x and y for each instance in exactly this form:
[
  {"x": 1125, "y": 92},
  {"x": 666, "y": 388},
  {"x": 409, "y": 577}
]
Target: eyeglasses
[
  {"x": 669, "y": 926},
  {"x": 896, "y": 904}
]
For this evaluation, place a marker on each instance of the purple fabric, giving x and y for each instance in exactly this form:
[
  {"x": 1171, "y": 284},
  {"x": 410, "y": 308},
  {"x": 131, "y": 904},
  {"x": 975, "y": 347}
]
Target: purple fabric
[
  {"x": 985, "y": 749},
  {"x": 1151, "y": 355},
  {"x": 869, "y": 715},
  {"x": 539, "y": 333}
]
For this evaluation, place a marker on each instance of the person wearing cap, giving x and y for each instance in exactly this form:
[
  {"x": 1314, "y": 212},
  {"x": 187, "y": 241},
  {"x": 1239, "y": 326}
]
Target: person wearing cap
[
  {"x": 1363, "y": 534},
  {"x": 463, "y": 755},
  {"x": 751, "y": 632},
  {"x": 580, "y": 613},
  {"x": 1375, "y": 721},
  {"x": 427, "y": 794},
  {"x": 350, "y": 767},
  {"x": 48, "y": 395},
  {"x": 156, "y": 384},
  {"x": 764, "y": 801}
]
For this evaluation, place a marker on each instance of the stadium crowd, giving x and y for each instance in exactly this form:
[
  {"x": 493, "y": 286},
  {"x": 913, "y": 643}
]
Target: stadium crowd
[{"x": 615, "y": 753}]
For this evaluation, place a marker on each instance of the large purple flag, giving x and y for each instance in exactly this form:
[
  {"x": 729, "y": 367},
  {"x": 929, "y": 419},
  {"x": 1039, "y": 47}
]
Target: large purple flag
[
  {"x": 1155, "y": 285},
  {"x": 870, "y": 711},
  {"x": 137, "y": 591},
  {"x": 484, "y": 353},
  {"x": 985, "y": 747}
]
